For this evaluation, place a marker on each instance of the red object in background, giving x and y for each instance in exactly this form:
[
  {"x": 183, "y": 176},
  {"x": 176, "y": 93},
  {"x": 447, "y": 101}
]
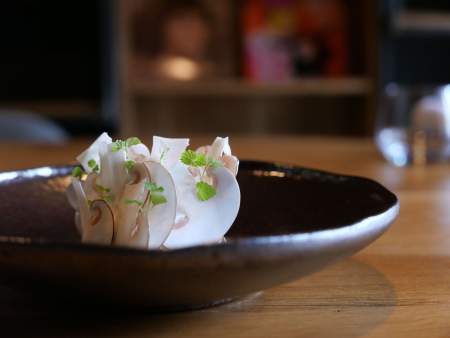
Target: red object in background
[
  {"x": 252, "y": 20},
  {"x": 288, "y": 39}
]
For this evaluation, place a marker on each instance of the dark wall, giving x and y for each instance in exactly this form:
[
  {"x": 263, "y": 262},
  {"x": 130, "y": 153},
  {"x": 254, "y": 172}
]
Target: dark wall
[
  {"x": 413, "y": 56},
  {"x": 49, "y": 49}
]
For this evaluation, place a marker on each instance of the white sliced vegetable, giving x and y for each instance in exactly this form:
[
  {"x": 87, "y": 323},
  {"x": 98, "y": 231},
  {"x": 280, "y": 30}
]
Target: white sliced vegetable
[
  {"x": 231, "y": 163},
  {"x": 140, "y": 234},
  {"x": 161, "y": 217},
  {"x": 78, "y": 221},
  {"x": 92, "y": 153},
  {"x": 226, "y": 146},
  {"x": 91, "y": 187},
  {"x": 153, "y": 200},
  {"x": 139, "y": 153},
  {"x": 81, "y": 200},
  {"x": 98, "y": 229},
  {"x": 220, "y": 150},
  {"x": 168, "y": 151},
  {"x": 207, "y": 221},
  {"x": 113, "y": 174},
  {"x": 217, "y": 147},
  {"x": 71, "y": 196},
  {"x": 129, "y": 208},
  {"x": 95, "y": 222}
]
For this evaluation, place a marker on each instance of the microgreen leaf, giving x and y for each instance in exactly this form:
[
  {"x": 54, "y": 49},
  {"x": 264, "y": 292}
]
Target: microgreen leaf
[
  {"x": 157, "y": 199},
  {"x": 93, "y": 165},
  {"x": 108, "y": 198},
  {"x": 154, "y": 190},
  {"x": 128, "y": 201},
  {"x": 77, "y": 172},
  {"x": 118, "y": 145},
  {"x": 205, "y": 191},
  {"x": 153, "y": 187},
  {"x": 193, "y": 159},
  {"x": 129, "y": 164},
  {"x": 188, "y": 157},
  {"x": 199, "y": 160},
  {"x": 102, "y": 189},
  {"x": 212, "y": 163},
  {"x": 132, "y": 141}
]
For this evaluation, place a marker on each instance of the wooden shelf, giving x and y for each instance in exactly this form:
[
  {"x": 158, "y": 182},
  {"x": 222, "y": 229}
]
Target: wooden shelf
[
  {"x": 172, "y": 107},
  {"x": 416, "y": 21},
  {"x": 353, "y": 86}
]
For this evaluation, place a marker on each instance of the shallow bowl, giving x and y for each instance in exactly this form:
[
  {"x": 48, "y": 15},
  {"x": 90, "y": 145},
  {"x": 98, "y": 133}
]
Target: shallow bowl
[{"x": 293, "y": 221}]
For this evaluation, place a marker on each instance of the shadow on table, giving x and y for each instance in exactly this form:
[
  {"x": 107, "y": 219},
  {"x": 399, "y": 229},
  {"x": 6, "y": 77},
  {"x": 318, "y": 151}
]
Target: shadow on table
[{"x": 345, "y": 300}]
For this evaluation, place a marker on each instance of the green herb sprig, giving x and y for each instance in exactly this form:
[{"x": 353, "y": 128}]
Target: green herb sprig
[
  {"x": 129, "y": 164},
  {"x": 77, "y": 172},
  {"x": 156, "y": 196},
  {"x": 204, "y": 190},
  {"x": 120, "y": 144},
  {"x": 156, "y": 191},
  {"x": 105, "y": 193},
  {"x": 130, "y": 201},
  {"x": 93, "y": 165}
]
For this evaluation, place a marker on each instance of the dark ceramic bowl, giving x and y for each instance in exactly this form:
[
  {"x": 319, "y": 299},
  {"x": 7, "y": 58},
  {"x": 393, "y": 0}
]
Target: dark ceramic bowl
[{"x": 292, "y": 222}]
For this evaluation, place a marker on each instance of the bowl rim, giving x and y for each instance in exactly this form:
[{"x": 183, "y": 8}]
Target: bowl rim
[{"x": 372, "y": 226}]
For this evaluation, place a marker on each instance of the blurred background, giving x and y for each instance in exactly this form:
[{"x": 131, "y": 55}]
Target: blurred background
[{"x": 186, "y": 67}]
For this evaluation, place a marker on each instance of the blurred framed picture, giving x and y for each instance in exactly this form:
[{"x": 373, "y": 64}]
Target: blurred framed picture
[
  {"x": 183, "y": 40},
  {"x": 288, "y": 39}
]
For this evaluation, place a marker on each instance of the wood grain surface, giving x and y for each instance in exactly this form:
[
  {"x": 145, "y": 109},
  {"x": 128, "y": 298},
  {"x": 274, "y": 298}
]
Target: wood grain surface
[{"x": 397, "y": 287}]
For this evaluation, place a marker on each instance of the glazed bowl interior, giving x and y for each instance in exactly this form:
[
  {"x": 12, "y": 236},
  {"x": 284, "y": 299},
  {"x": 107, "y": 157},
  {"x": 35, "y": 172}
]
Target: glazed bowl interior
[{"x": 276, "y": 200}]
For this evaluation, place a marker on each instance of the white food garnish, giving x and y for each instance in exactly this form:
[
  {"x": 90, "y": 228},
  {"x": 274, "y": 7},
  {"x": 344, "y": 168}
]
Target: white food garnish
[{"x": 171, "y": 197}]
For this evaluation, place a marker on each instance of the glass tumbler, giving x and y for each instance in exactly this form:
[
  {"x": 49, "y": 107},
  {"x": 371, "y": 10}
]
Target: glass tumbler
[{"x": 413, "y": 124}]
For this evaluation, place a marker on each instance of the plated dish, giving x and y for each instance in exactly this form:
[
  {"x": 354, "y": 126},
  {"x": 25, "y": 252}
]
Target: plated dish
[{"x": 292, "y": 221}]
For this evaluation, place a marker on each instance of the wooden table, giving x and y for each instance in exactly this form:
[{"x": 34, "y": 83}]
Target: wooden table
[{"x": 397, "y": 287}]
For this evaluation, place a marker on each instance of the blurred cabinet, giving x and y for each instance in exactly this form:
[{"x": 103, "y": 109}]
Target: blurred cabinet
[{"x": 222, "y": 99}]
